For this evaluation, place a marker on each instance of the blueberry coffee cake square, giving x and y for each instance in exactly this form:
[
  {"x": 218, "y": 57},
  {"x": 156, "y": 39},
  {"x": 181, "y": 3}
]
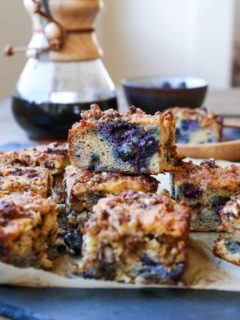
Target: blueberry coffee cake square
[
  {"x": 24, "y": 179},
  {"x": 27, "y": 230},
  {"x": 197, "y": 126},
  {"x": 206, "y": 188},
  {"x": 227, "y": 246},
  {"x": 53, "y": 157},
  {"x": 136, "y": 237},
  {"x": 132, "y": 142},
  {"x": 83, "y": 190}
]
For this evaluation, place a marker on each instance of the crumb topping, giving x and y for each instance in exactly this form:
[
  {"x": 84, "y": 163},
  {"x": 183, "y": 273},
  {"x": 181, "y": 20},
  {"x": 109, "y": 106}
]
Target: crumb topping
[
  {"x": 53, "y": 157},
  {"x": 22, "y": 179},
  {"x": 21, "y": 212},
  {"x": 10, "y": 211},
  {"x": 133, "y": 115},
  {"x": 209, "y": 175},
  {"x": 137, "y": 212}
]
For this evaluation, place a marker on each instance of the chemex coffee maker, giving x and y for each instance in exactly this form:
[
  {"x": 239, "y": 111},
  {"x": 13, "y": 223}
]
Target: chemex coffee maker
[{"x": 64, "y": 74}]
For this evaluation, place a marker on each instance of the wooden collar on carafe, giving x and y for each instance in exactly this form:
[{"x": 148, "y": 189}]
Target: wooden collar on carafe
[{"x": 57, "y": 36}]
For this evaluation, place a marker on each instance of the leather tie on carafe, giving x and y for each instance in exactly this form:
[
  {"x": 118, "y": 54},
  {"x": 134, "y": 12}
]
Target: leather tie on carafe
[{"x": 60, "y": 37}]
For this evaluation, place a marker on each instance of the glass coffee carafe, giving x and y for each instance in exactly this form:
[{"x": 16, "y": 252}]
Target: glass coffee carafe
[{"x": 64, "y": 74}]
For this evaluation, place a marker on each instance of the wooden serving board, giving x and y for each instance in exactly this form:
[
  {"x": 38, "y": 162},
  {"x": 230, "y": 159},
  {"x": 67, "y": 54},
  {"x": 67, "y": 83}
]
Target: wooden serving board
[{"x": 228, "y": 149}]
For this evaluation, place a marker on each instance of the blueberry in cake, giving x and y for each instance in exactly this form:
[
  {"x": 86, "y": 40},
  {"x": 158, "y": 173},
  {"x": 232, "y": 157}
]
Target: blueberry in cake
[
  {"x": 197, "y": 126},
  {"x": 136, "y": 237},
  {"x": 205, "y": 188},
  {"x": 227, "y": 246},
  {"x": 27, "y": 230},
  {"x": 83, "y": 190},
  {"x": 132, "y": 142},
  {"x": 25, "y": 179}
]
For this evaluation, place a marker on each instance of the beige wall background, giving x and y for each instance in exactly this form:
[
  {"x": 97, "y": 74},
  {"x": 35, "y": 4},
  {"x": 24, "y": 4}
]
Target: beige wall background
[
  {"x": 184, "y": 37},
  {"x": 140, "y": 37},
  {"x": 14, "y": 30},
  {"x": 237, "y": 22}
]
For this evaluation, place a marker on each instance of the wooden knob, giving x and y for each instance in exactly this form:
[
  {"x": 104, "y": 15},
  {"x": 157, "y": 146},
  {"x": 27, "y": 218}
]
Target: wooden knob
[{"x": 52, "y": 31}]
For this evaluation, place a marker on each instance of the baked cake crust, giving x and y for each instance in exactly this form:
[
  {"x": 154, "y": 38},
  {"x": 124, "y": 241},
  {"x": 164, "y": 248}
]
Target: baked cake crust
[
  {"x": 136, "y": 237},
  {"x": 131, "y": 142},
  {"x": 53, "y": 157},
  {"x": 25, "y": 179},
  {"x": 27, "y": 230},
  {"x": 134, "y": 115}
]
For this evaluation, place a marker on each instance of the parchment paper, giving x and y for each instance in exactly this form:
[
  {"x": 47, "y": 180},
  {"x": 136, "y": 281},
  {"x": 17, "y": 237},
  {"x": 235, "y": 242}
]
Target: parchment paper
[{"x": 204, "y": 270}]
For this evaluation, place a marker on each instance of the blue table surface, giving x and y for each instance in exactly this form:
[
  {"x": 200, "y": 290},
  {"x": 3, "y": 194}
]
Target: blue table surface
[{"x": 91, "y": 304}]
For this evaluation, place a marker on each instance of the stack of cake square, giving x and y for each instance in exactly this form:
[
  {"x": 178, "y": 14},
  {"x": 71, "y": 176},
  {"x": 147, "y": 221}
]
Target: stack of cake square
[{"x": 129, "y": 233}]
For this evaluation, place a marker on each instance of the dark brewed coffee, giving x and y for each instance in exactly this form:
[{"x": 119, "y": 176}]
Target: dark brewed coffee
[{"x": 50, "y": 120}]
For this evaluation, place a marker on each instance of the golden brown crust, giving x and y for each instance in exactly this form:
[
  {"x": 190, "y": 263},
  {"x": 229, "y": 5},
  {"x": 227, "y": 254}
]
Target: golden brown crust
[
  {"x": 134, "y": 212},
  {"x": 53, "y": 157},
  {"x": 25, "y": 179},
  {"x": 210, "y": 176},
  {"x": 134, "y": 115},
  {"x": 16, "y": 208}
]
